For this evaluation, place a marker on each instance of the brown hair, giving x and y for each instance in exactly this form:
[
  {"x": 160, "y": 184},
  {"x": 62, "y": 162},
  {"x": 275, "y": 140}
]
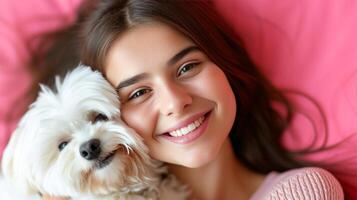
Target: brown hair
[{"x": 258, "y": 127}]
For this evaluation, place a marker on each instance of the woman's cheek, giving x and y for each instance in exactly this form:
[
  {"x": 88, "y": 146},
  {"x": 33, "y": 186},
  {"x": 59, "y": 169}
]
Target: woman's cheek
[
  {"x": 217, "y": 88},
  {"x": 214, "y": 83},
  {"x": 137, "y": 118}
]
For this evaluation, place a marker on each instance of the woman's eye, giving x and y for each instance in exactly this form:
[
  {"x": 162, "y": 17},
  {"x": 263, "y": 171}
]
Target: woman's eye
[
  {"x": 139, "y": 93},
  {"x": 100, "y": 117},
  {"x": 186, "y": 68},
  {"x": 62, "y": 145}
]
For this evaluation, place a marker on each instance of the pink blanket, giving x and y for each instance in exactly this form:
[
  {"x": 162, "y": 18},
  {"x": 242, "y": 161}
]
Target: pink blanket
[
  {"x": 22, "y": 23},
  {"x": 310, "y": 47}
]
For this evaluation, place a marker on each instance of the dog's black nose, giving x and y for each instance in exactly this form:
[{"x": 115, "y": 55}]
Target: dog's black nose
[{"x": 91, "y": 149}]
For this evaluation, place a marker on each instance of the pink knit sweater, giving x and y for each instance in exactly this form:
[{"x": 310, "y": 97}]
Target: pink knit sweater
[{"x": 309, "y": 183}]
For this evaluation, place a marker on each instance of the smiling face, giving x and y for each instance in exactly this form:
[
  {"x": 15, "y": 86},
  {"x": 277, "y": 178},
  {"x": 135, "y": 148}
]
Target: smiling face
[{"x": 172, "y": 94}]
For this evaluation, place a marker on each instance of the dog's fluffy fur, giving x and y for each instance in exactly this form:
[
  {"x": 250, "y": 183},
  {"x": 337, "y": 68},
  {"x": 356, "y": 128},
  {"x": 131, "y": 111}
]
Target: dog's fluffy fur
[{"x": 82, "y": 107}]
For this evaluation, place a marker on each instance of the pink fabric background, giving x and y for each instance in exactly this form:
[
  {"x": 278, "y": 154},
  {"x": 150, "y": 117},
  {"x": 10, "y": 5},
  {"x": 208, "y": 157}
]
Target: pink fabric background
[
  {"x": 22, "y": 23},
  {"x": 304, "y": 45},
  {"x": 308, "y": 46}
]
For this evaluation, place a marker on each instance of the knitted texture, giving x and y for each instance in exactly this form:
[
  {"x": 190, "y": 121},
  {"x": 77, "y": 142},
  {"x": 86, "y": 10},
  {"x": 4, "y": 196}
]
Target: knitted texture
[{"x": 301, "y": 184}]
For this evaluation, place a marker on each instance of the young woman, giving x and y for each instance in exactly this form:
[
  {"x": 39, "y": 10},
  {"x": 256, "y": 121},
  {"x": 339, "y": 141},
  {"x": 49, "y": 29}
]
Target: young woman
[{"x": 190, "y": 90}]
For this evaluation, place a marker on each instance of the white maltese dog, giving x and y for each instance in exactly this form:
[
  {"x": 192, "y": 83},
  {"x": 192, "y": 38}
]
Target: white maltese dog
[{"x": 72, "y": 142}]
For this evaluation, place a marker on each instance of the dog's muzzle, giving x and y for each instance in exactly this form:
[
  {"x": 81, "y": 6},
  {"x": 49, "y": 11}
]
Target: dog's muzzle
[{"x": 90, "y": 150}]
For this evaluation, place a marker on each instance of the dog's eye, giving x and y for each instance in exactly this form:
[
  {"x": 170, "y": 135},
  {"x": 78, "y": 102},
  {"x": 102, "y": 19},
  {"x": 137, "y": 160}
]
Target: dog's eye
[
  {"x": 100, "y": 117},
  {"x": 62, "y": 145}
]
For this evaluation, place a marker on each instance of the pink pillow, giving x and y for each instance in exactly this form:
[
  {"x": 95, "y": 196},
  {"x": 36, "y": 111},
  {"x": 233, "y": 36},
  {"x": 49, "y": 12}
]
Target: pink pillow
[
  {"x": 311, "y": 47},
  {"x": 22, "y": 23}
]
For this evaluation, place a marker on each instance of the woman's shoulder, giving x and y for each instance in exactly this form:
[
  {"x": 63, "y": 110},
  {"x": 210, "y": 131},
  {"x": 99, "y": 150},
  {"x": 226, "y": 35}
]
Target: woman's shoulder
[{"x": 303, "y": 183}]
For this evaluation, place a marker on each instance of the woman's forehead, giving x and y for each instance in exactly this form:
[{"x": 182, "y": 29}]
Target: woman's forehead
[{"x": 144, "y": 47}]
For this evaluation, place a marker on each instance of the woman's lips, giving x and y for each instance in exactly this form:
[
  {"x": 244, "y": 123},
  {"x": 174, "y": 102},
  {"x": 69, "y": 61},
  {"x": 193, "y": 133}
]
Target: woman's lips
[
  {"x": 191, "y": 136},
  {"x": 186, "y": 122}
]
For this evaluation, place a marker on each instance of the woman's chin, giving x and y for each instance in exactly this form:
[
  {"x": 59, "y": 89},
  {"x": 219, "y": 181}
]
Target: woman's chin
[
  {"x": 200, "y": 160},
  {"x": 205, "y": 156}
]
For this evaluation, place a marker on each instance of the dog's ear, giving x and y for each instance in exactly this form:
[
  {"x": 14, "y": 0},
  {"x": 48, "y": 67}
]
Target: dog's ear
[
  {"x": 13, "y": 163},
  {"x": 7, "y": 159}
]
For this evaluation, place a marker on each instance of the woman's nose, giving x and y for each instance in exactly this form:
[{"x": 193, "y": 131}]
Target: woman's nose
[{"x": 173, "y": 99}]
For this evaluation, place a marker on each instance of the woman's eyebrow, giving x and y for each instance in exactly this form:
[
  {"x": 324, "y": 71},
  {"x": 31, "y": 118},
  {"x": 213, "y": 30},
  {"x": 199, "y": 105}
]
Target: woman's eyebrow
[
  {"x": 182, "y": 54},
  {"x": 131, "y": 81},
  {"x": 173, "y": 60}
]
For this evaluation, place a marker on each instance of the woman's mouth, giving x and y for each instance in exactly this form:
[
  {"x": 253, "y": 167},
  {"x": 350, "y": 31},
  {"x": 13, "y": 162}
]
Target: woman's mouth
[
  {"x": 190, "y": 132},
  {"x": 188, "y": 129}
]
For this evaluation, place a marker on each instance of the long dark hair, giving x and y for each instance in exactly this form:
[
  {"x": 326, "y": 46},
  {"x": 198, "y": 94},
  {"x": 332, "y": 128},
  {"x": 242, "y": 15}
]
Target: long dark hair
[{"x": 258, "y": 127}]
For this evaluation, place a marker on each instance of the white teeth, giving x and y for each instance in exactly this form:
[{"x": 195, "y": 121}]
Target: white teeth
[{"x": 189, "y": 128}]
